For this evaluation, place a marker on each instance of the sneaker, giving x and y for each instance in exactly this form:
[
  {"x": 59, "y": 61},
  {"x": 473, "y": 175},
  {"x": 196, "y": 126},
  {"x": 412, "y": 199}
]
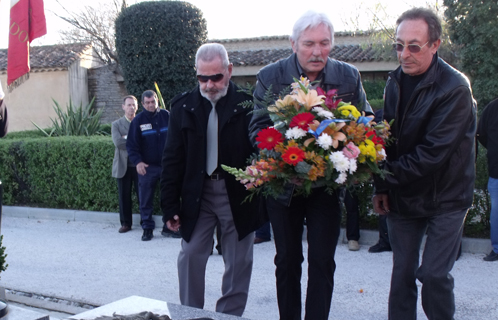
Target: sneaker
[
  {"x": 170, "y": 234},
  {"x": 353, "y": 245},
  {"x": 492, "y": 256},
  {"x": 379, "y": 247},
  {"x": 124, "y": 229},
  {"x": 148, "y": 235}
]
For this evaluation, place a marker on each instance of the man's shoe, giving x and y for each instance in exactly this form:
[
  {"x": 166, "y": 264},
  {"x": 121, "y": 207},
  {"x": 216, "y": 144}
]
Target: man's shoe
[
  {"x": 148, "y": 235},
  {"x": 379, "y": 247},
  {"x": 260, "y": 240},
  {"x": 170, "y": 234},
  {"x": 353, "y": 245},
  {"x": 124, "y": 229},
  {"x": 492, "y": 256}
]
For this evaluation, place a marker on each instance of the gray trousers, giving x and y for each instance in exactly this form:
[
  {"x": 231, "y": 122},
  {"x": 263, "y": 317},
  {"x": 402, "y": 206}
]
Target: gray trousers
[
  {"x": 444, "y": 234},
  {"x": 237, "y": 255}
]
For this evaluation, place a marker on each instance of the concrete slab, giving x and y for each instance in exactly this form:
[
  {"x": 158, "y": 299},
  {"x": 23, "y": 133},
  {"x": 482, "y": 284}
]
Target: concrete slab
[
  {"x": 17, "y": 313},
  {"x": 137, "y": 304}
]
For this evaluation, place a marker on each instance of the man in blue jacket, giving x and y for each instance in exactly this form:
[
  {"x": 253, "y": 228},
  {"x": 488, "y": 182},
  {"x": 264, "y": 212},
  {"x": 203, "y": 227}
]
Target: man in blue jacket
[{"x": 145, "y": 144}]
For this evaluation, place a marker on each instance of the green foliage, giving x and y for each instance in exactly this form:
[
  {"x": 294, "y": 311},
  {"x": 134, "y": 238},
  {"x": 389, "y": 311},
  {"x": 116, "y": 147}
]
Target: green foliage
[
  {"x": 62, "y": 172},
  {"x": 374, "y": 89},
  {"x": 75, "y": 121},
  {"x": 473, "y": 26},
  {"x": 3, "y": 266},
  {"x": 376, "y": 104},
  {"x": 157, "y": 41}
]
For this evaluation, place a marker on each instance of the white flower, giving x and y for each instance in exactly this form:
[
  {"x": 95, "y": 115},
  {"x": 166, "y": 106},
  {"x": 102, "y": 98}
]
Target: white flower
[
  {"x": 342, "y": 178},
  {"x": 383, "y": 154},
  {"x": 352, "y": 166},
  {"x": 325, "y": 141},
  {"x": 294, "y": 133},
  {"x": 339, "y": 160},
  {"x": 323, "y": 113}
]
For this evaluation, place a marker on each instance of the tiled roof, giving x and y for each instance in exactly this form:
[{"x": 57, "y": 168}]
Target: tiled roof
[
  {"x": 59, "y": 56},
  {"x": 286, "y": 37},
  {"x": 347, "y": 53}
]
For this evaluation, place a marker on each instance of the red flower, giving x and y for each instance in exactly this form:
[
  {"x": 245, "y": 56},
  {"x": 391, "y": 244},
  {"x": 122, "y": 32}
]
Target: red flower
[
  {"x": 302, "y": 120},
  {"x": 375, "y": 139},
  {"x": 268, "y": 138},
  {"x": 330, "y": 98},
  {"x": 293, "y": 155}
]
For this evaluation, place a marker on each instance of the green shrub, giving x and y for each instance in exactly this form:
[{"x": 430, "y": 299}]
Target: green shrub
[
  {"x": 157, "y": 42},
  {"x": 74, "y": 121},
  {"x": 374, "y": 89}
]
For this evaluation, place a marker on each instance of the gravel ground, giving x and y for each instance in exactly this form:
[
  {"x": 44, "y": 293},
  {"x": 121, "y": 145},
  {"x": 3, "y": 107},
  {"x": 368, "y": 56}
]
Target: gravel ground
[{"x": 92, "y": 263}]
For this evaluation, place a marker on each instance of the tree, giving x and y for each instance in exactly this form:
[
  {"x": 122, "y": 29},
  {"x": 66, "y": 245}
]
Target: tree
[
  {"x": 473, "y": 25},
  {"x": 157, "y": 42},
  {"x": 94, "y": 25}
]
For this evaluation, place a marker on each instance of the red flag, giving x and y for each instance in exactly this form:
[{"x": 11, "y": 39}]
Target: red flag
[{"x": 27, "y": 22}]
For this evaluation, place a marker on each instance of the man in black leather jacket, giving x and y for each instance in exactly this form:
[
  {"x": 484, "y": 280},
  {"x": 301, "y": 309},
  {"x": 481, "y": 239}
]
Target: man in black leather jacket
[
  {"x": 312, "y": 41},
  {"x": 432, "y": 166}
]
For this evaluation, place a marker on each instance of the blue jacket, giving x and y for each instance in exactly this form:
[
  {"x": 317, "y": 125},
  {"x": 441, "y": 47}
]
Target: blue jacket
[{"x": 147, "y": 137}]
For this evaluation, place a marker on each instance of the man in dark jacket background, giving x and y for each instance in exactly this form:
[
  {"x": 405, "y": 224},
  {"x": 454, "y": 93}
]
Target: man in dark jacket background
[
  {"x": 432, "y": 165},
  {"x": 487, "y": 134},
  {"x": 208, "y": 128},
  {"x": 3, "y": 115}
]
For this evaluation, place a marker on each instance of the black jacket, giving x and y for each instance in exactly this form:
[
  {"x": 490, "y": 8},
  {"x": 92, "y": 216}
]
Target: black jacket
[
  {"x": 487, "y": 134},
  {"x": 184, "y": 159},
  {"x": 432, "y": 159}
]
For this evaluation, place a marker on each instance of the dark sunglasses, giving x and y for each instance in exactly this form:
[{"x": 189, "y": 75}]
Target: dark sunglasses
[
  {"x": 413, "y": 48},
  {"x": 214, "y": 78}
]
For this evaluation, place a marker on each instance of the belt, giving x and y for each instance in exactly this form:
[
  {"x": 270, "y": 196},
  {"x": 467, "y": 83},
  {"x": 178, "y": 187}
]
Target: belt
[{"x": 215, "y": 176}]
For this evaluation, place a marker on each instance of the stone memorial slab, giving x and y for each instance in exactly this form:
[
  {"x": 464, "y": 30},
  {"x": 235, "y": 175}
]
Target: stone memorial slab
[{"x": 137, "y": 304}]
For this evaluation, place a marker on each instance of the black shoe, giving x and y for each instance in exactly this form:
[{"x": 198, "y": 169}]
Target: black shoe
[
  {"x": 148, "y": 235},
  {"x": 170, "y": 234},
  {"x": 379, "y": 247},
  {"x": 492, "y": 256}
]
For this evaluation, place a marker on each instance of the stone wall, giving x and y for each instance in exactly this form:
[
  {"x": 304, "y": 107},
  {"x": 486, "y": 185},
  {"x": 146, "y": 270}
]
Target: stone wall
[{"x": 107, "y": 86}]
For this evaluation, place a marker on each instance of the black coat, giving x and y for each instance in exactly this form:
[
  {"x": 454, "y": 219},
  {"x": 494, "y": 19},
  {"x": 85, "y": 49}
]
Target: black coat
[
  {"x": 432, "y": 159},
  {"x": 184, "y": 159}
]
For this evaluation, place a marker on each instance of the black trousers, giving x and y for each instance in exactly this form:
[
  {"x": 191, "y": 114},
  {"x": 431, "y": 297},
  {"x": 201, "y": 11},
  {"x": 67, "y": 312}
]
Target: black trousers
[
  {"x": 124, "y": 189},
  {"x": 323, "y": 217},
  {"x": 351, "y": 203}
]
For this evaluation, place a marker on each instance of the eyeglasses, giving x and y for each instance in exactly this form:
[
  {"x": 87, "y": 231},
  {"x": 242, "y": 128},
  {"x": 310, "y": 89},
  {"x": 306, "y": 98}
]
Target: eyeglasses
[
  {"x": 215, "y": 78},
  {"x": 412, "y": 47}
]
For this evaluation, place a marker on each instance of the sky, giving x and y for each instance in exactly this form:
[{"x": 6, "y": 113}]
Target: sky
[{"x": 228, "y": 19}]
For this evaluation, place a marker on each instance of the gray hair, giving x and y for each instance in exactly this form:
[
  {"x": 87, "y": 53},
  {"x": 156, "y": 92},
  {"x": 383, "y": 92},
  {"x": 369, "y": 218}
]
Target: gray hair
[
  {"x": 311, "y": 19},
  {"x": 209, "y": 51}
]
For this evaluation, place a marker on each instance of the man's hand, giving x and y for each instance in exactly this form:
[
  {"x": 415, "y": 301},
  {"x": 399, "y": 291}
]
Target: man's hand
[
  {"x": 381, "y": 203},
  {"x": 174, "y": 224},
  {"x": 141, "y": 168}
]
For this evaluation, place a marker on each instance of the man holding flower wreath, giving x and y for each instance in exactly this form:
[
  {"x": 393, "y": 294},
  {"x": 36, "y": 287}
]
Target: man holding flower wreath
[{"x": 312, "y": 40}]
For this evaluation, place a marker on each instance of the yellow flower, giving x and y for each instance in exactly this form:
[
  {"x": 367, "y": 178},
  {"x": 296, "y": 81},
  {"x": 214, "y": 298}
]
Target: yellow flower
[
  {"x": 349, "y": 110},
  {"x": 310, "y": 99},
  {"x": 367, "y": 150}
]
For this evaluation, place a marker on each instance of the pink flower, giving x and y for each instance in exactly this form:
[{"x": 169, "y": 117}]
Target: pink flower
[{"x": 351, "y": 151}]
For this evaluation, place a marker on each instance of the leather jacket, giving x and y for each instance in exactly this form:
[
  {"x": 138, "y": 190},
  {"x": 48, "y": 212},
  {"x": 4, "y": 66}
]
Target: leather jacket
[{"x": 432, "y": 158}]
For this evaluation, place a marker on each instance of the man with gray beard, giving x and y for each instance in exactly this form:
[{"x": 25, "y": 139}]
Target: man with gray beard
[{"x": 208, "y": 128}]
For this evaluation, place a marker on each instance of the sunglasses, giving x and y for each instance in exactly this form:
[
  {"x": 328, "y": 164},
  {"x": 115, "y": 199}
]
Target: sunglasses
[
  {"x": 413, "y": 48},
  {"x": 214, "y": 78}
]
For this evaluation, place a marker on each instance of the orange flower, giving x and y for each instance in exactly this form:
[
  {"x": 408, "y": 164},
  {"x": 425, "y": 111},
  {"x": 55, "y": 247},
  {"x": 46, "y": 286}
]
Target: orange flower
[{"x": 293, "y": 155}]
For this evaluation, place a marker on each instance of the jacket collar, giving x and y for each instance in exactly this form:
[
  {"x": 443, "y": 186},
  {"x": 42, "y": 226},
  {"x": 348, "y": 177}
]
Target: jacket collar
[{"x": 431, "y": 73}]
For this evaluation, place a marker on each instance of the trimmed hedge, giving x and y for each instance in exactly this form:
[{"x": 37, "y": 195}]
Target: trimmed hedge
[
  {"x": 157, "y": 42},
  {"x": 62, "y": 172}
]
